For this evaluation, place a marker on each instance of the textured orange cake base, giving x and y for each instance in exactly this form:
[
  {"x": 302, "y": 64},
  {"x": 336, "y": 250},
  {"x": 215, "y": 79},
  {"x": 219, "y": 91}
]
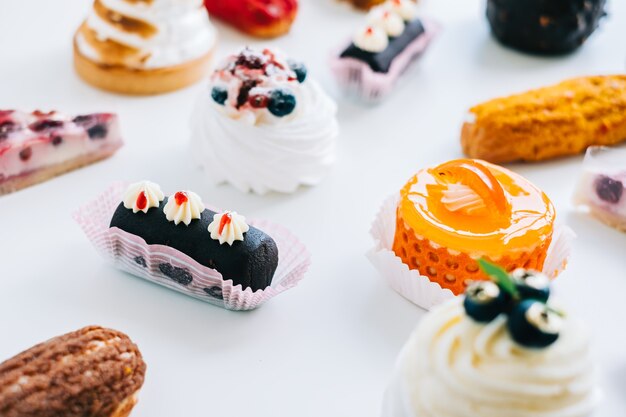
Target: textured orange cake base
[
  {"x": 121, "y": 79},
  {"x": 549, "y": 122},
  {"x": 455, "y": 271}
]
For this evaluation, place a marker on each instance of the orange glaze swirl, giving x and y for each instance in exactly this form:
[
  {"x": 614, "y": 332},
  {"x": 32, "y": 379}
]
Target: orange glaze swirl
[{"x": 521, "y": 222}]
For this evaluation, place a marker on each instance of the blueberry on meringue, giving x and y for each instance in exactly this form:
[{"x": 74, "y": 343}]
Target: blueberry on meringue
[
  {"x": 282, "y": 102},
  {"x": 219, "y": 94},
  {"x": 531, "y": 284},
  {"x": 299, "y": 68},
  {"x": 534, "y": 324},
  {"x": 484, "y": 301}
]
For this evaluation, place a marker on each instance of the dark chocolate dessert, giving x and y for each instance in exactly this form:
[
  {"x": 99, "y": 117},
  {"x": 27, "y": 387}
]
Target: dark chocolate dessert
[
  {"x": 250, "y": 262},
  {"x": 544, "y": 26},
  {"x": 381, "y": 61}
]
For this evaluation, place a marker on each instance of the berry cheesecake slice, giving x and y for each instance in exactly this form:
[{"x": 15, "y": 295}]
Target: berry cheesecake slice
[
  {"x": 37, "y": 146},
  {"x": 601, "y": 189}
]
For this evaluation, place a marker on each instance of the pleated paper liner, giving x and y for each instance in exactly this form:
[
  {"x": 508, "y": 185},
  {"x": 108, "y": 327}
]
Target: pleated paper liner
[
  {"x": 173, "y": 269},
  {"x": 419, "y": 289}
]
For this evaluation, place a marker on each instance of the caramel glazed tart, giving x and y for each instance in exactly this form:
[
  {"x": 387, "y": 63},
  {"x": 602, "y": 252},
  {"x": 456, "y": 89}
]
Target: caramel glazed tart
[
  {"x": 92, "y": 372},
  {"x": 121, "y": 68}
]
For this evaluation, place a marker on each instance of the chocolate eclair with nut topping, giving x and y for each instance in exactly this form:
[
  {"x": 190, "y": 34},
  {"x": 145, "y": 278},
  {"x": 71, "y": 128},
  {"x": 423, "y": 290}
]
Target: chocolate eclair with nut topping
[{"x": 92, "y": 372}]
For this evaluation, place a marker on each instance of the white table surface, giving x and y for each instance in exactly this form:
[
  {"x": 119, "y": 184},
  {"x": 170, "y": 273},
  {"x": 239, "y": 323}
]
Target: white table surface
[{"x": 327, "y": 347}]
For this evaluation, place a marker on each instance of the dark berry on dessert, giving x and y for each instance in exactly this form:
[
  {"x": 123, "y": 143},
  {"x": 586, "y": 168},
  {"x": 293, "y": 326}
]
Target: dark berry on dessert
[
  {"x": 282, "y": 102},
  {"x": 244, "y": 91},
  {"x": 250, "y": 59},
  {"x": 608, "y": 189},
  {"x": 179, "y": 275},
  {"x": 140, "y": 260},
  {"x": 26, "y": 153},
  {"x": 531, "y": 284},
  {"x": 258, "y": 101},
  {"x": 45, "y": 125},
  {"x": 484, "y": 301},
  {"x": 533, "y": 324},
  {"x": 215, "y": 292},
  {"x": 57, "y": 140},
  {"x": 98, "y": 131},
  {"x": 219, "y": 94},
  {"x": 83, "y": 119},
  {"x": 299, "y": 69},
  {"x": 7, "y": 127}
]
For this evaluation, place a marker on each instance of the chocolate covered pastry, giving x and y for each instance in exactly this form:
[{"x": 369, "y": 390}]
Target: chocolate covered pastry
[{"x": 544, "y": 26}]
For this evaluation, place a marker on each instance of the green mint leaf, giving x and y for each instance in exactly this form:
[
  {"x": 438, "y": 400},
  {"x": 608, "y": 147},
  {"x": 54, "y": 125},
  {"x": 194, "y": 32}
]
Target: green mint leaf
[{"x": 499, "y": 275}]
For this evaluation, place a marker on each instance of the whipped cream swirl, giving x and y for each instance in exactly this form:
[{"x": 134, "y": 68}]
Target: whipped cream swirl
[
  {"x": 155, "y": 34},
  {"x": 406, "y": 9},
  {"x": 142, "y": 196},
  {"x": 455, "y": 367},
  {"x": 371, "y": 39},
  {"x": 184, "y": 206},
  {"x": 255, "y": 150},
  {"x": 392, "y": 23},
  {"x": 227, "y": 227}
]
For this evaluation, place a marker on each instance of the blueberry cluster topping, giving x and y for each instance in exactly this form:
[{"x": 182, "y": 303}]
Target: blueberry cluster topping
[
  {"x": 261, "y": 75},
  {"x": 522, "y": 296},
  {"x": 608, "y": 189}
]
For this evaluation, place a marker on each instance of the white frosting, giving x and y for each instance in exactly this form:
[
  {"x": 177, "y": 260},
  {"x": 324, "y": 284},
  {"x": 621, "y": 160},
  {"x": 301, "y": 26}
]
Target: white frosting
[
  {"x": 151, "y": 192},
  {"x": 232, "y": 229},
  {"x": 406, "y": 9},
  {"x": 371, "y": 39},
  {"x": 184, "y": 31},
  {"x": 455, "y": 367},
  {"x": 460, "y": 197},
  {"x": 269, "y": 153},
  {"x": 190, "y": 209},
  {"x": 389, "y": 21}
]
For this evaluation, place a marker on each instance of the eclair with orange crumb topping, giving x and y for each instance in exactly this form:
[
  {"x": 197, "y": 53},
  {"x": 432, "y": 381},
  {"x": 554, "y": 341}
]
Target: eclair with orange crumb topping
[{"x": 563, "y": 119}]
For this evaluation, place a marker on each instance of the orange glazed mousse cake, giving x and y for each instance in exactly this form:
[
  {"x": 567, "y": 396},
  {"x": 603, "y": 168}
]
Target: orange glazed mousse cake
[{"x": 453, "y": 214}]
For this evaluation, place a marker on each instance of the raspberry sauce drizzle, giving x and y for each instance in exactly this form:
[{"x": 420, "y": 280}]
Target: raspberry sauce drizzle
[
  {"x": 180, "y": 198},
  {"x": 142, "y": 201},
  {"x": 225, "y": 220}
]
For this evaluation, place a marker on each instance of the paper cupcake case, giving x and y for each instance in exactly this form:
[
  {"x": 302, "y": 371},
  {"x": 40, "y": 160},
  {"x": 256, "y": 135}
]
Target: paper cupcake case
[
  {"x": 175, "y": 270},
  {"x": 357, "y": 78},
  {"x": 419, "y": 289}
]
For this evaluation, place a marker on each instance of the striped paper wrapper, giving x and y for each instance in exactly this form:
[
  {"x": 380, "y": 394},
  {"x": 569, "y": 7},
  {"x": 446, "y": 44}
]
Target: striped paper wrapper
[
  {"x": 419, "y": 289},
  {"x": 173, "y": 269}
]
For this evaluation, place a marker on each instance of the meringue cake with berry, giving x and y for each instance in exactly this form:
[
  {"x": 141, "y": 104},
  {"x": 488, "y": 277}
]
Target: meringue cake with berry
[
  {"x": 37, "y": 146},
  {"x": 144, "y": 47},
  {"x": 392, "y": 38},
  {"x": 264, "y": 124},
  {"x": 503, "y": 349}
]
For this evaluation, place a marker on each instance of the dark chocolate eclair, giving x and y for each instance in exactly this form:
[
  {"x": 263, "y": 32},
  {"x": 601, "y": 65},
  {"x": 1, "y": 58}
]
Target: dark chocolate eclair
[
  {"x": 380, "y": 61},
  {"x": 220, "y": 241},
  {"x": 544, "y": 26},
  {"x": 92, "y": 372}
]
